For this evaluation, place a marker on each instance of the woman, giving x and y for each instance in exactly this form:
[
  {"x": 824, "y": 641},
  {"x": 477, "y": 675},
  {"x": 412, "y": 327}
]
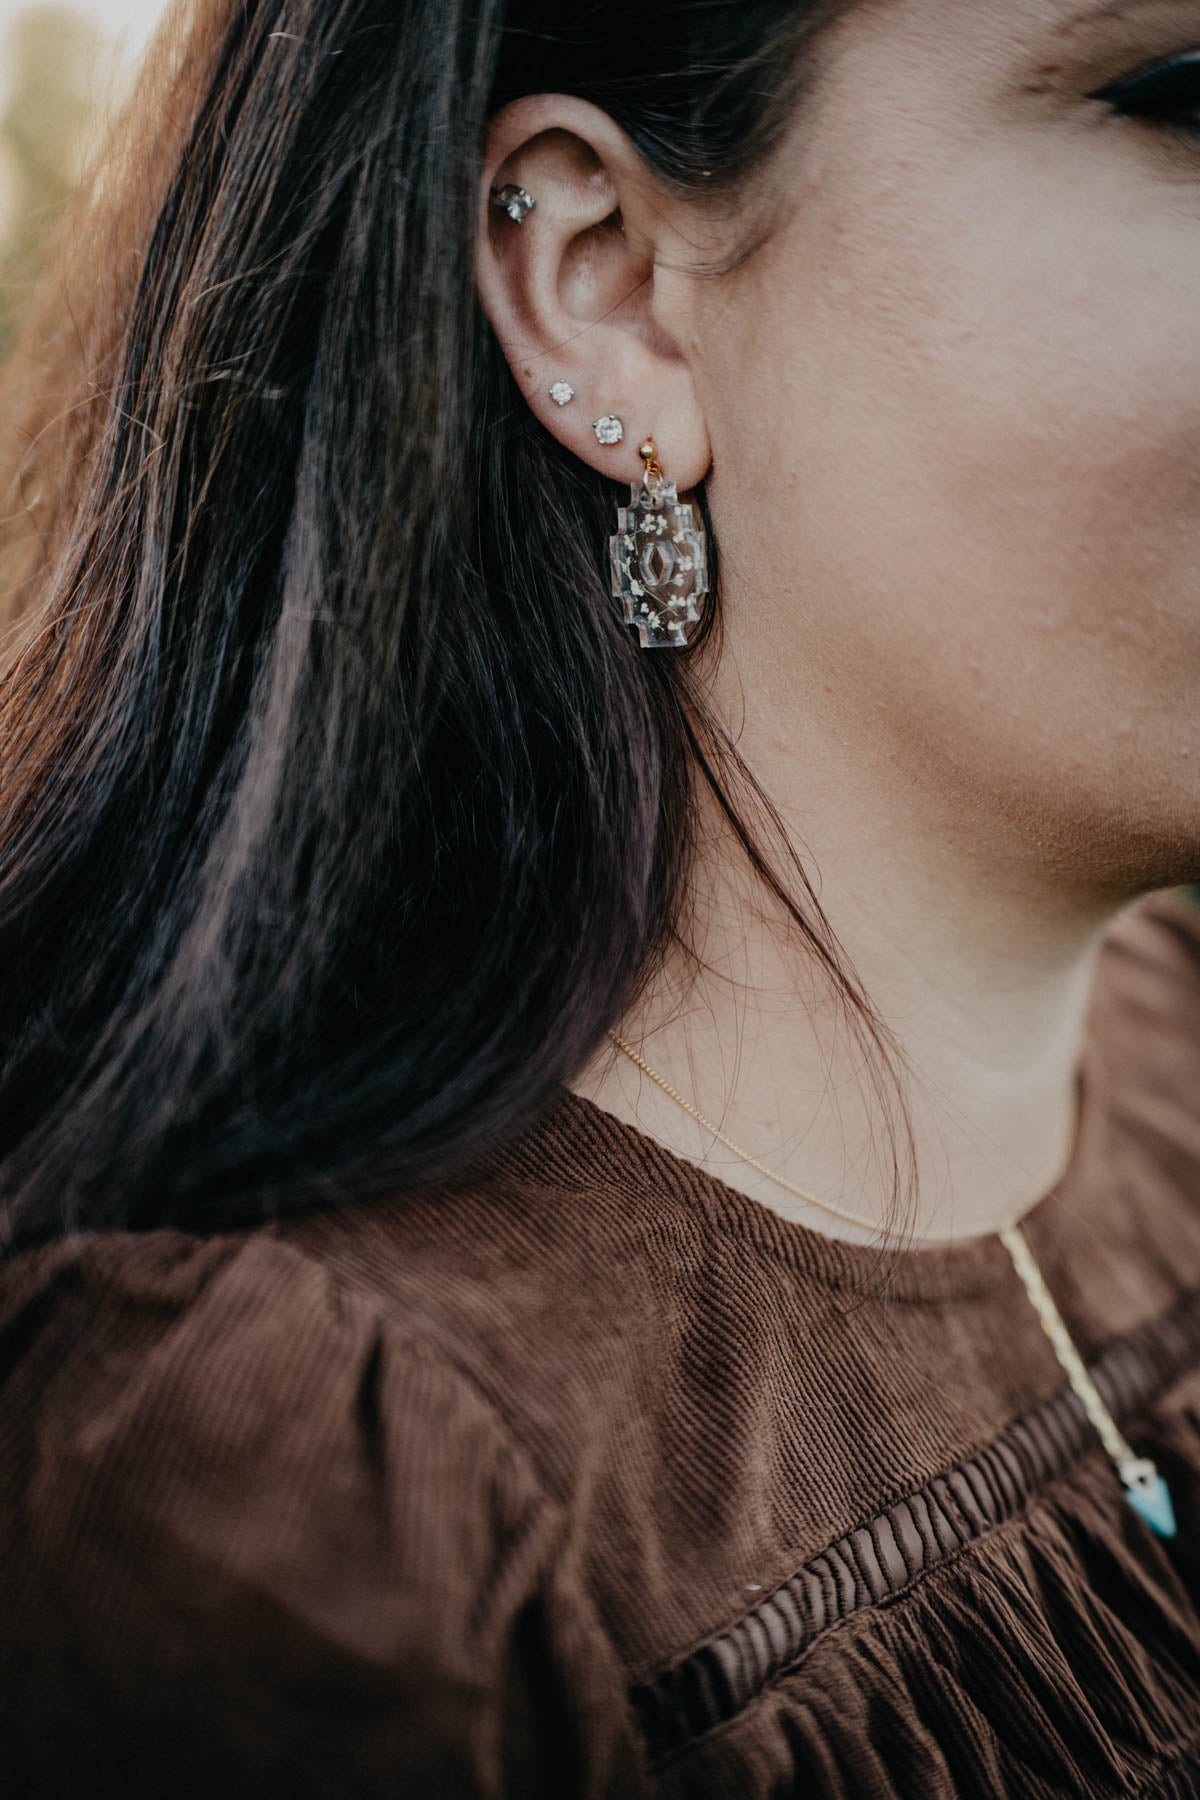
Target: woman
[{"x": 403, "y": 1391}]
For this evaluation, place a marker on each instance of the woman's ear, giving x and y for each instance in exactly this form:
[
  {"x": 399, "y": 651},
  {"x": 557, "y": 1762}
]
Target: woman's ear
[{"x": 573, "y": 292}]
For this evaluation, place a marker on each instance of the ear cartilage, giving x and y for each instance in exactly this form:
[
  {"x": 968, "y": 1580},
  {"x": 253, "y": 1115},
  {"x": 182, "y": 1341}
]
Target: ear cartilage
[
  {"x": 513, "y": 200},
  {"x": 561, "y": 392},
  {"x": 609, "y": 429}
]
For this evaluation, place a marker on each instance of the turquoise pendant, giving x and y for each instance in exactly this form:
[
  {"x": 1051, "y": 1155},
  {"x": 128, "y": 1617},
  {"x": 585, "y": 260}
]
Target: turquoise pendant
[{"x": 1150, "y": 1496}]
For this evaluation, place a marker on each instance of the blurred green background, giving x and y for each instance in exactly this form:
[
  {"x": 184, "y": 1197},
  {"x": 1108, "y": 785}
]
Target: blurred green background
[{"x": 63, "y": 70}]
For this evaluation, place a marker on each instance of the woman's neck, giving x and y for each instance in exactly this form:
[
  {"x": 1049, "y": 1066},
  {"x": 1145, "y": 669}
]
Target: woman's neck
[{"x": 979, "y": 959}]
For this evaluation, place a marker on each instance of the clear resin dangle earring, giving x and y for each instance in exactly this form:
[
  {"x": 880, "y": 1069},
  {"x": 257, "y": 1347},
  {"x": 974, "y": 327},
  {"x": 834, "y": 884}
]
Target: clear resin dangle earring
[{"x": 659, "y": 558}]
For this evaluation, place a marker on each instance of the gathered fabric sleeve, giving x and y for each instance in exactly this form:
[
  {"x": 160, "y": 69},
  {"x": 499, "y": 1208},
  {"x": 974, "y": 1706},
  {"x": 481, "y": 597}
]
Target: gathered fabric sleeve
[{"x": 257, "y": 1539}]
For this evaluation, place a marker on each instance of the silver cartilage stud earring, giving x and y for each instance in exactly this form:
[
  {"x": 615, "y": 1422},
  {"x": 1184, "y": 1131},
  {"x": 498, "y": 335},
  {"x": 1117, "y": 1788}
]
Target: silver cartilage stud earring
[
  {"x": 609, "y": 429},
  {"x": 561, "y": 392},
  {"x": 513, "y": 200}
]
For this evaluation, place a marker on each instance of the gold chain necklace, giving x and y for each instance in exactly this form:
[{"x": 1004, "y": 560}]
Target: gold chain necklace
[{"x": 1144, "y": 1487}]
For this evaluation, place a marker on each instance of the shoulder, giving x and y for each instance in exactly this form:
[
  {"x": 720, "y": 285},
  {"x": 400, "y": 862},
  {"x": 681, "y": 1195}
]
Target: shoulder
[
  {"x": 1140, "y": 1174},
  {"x": 1147, "y": 993},
  {"x": 1158, "y": 935},
  {"x": 559, "y": 1280},
  {"x": 233, "y": 1354},
  {"x": 241, "y": 1500}
]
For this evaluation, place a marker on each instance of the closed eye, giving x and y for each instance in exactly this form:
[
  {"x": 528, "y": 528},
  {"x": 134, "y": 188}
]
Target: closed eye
[{"x": 1167, "y": 93}]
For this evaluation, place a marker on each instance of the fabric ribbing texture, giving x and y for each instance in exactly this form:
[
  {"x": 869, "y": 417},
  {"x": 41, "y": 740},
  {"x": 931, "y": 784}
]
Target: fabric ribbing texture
[{"x": 588, "y": 1475}]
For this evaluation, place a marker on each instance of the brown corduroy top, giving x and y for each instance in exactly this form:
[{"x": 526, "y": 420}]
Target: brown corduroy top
[{"x": 592, "y": 1476}]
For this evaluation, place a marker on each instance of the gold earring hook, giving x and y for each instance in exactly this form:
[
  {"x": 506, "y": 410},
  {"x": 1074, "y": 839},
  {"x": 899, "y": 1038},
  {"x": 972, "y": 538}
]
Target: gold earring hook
[{"x": 649, "y": 456}]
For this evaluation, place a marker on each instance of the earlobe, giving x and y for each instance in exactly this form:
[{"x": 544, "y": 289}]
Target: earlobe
[{"x": 566, "y": 271}]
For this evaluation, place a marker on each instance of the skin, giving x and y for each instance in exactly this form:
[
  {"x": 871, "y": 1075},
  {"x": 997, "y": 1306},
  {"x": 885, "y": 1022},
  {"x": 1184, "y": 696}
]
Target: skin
[{"x": 949, "y": 417}]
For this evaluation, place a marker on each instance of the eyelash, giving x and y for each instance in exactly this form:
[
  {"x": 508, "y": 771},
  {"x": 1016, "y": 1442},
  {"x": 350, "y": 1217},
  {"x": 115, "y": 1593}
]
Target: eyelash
[{"x": 1166, "y": 93}]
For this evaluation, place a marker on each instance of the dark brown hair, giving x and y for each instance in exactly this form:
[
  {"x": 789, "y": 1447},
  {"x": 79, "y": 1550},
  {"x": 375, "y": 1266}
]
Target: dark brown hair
[{"x": 340, "y": 814}]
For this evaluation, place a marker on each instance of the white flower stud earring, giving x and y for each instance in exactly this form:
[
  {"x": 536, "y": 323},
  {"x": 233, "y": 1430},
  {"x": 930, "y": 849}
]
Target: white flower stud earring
[{"x": 659, "y": 558}]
